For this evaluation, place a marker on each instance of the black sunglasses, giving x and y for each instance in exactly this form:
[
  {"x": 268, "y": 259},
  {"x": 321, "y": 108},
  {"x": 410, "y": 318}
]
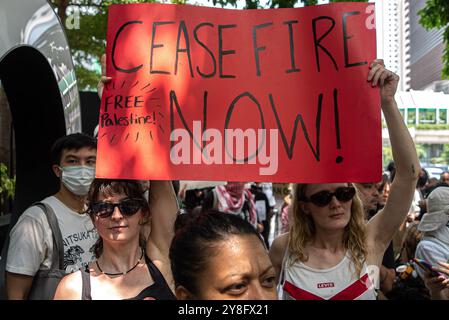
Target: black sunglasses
[
  {"x": 128, "y": 207},
  {"x": 323, "y": 198}
]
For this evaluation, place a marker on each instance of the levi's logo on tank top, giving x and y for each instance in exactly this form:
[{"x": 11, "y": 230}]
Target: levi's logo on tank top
[{"x": 339, "y": 282}]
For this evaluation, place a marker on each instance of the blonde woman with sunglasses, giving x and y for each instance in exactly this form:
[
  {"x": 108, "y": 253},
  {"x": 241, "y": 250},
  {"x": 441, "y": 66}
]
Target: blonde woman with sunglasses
[
  {"x": 330, "y": 252},
  {"x": 127, "y": 265}
]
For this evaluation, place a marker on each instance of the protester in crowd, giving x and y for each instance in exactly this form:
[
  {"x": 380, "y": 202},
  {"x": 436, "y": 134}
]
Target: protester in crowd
[
  {"x": 391, "y": 169},
  {"x": 286, "y": 211},
  {"x": 431, "y": 185},
  {"x": 410, "y": 288},
  {"x": 411, "y": 239},
  {"x": 418, "y": 207},
  {"x": 31, "y": 246},
  {"x": 434, "y": 246},
  {"x": 369, "y": 195},
  {"x": 444, "y": 177},
  {"x": 267, "y": 188},
  {"x": 434, "y": 183},
  {"x": 215, "y": 255},
  {"x": 420, "y": 193},
  {"x": 408, "y": 285},
  {"x": 330, "y": 249},
  {"x": 383, "y": 187},
  {"x": 193, "y": 198},
  {"x": 263, "y": 209},
  {"x": 233, "y": 198},
  {"x": 152, "y": 241},
  {"x": 285, "y": 218},
  {"x": 127, "y": 266}
]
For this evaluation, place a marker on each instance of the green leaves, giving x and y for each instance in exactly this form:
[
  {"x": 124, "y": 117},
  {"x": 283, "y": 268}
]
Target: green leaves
[
  {"x": 7, "y": 185},
  {"x": 88, "y": 42},
  {"x": 435, "y": 15},
  {"x": 291, "y": 3},
  {"x": 445, "y": 154}
]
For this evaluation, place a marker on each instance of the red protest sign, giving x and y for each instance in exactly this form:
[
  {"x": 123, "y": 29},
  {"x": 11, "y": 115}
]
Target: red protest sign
[{"x": 257, "y": 95}]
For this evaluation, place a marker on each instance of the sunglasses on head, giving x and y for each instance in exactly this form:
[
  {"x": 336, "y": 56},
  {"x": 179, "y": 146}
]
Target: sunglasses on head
[
  {"x": 127, "y": 207},
  {"x": 323, "y": 198}
]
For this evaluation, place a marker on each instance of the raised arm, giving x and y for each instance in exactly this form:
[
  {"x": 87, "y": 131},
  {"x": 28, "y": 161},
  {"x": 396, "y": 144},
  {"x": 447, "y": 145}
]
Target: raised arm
[
  {"x": 164, "y": 209},
  {"x": 163, "y": 201},
  {"x": 104, "y": 79},
  {"x": 383, "y": 226}
]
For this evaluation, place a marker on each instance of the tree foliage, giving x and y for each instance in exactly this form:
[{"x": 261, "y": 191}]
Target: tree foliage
[
  {"x": 256, "y": 4},
  {"x": 88, "y": 42},
  {"x": 387, "y": 155},
  {"x": 7, "y": 187},
  {"x": 435, "y": 15},
  {"x": 445, "y": 154}
]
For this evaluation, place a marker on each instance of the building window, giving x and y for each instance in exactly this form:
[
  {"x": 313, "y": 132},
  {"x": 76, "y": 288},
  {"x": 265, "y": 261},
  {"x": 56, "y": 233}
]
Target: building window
[
  {"x": 427, "y": 116},
  {"x": 411, "y": 116},
  {"x": 442, "y": 116}
]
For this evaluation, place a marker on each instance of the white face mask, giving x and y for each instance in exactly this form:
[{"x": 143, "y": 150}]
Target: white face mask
[{"x": 78, "y": 178}]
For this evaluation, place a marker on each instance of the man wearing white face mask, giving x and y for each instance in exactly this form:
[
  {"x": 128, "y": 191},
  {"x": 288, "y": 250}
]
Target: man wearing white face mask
[{"x": 31, "y": 241}]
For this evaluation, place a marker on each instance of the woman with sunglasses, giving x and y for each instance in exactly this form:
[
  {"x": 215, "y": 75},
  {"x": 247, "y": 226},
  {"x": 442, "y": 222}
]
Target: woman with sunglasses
[
  {"x": 330, "y": 251},
  {"x": 128, "y": 266}
]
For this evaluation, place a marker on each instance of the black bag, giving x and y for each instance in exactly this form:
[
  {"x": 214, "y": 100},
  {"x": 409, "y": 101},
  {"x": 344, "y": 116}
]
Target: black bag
[{"x": 45, "y": 282}]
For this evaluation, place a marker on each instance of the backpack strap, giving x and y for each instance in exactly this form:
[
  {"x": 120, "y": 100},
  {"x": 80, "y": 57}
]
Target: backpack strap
[
  {"x": 85, "y": 279},
  {"x": 58, "y": 246}
]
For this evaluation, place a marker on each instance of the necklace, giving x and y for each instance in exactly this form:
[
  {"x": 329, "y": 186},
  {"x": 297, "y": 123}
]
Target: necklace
[{"x": 119, "y": 273}]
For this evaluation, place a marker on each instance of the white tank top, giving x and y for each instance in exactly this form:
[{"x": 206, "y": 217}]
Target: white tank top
[{"x": 300, "y": 282}]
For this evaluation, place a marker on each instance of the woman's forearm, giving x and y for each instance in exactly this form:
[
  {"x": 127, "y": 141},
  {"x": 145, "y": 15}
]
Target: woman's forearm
[{"x": 403, "y": 147}]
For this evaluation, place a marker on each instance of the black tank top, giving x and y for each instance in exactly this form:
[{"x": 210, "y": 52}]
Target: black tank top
[{"x": 159, "y": 290}]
